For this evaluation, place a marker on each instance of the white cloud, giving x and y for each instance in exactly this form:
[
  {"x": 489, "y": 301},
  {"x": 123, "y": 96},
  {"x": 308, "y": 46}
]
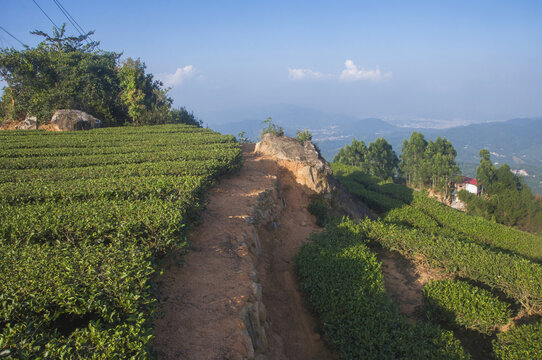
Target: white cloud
[
  {"x": 178, "y": 77},
  {"x": 298, "y": 74},
  {"x": 353, "y": 73}
]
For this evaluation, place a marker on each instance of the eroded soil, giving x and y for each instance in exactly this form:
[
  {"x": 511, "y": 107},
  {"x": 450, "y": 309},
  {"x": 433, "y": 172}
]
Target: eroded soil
[{"x": 202, "y": 300}]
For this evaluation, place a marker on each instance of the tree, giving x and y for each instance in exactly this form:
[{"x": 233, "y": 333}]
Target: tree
[
  {"x": 412, "y": 159},
  {"x": 132, "y": 84},
  {"x": 382, "y": 159},
  {"x": 485, "y": 173},
  {"x": 439, "y": 161},
  {"x": 182, "y": 116},
  {"x": 354, "y": 154},
  {"x": 61, "y": 72}
]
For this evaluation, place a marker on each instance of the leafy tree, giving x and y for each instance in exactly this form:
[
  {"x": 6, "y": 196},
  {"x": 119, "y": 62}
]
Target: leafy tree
[
  {"x": 440, "y": 168},
  {"x": 183, "y": 116},
  {"x": 412, "y": 159},
  {"x": 506, "y": 200},
  {"x": 382, "y": 159},
  {"x": 354, "y": 154},
  {"x": 132, "y": 84},
  {"x": 70, "y": 72},
  {"x": 485, "y": 173},
  {"x": 61, "y": 72}
]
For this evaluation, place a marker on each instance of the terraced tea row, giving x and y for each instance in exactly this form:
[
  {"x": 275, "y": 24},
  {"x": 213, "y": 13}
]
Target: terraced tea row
[{"x": 85, "y": 217}]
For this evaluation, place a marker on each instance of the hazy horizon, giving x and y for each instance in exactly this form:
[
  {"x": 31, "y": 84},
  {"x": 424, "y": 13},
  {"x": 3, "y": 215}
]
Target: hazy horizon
[{"x": 460, "y": 62}]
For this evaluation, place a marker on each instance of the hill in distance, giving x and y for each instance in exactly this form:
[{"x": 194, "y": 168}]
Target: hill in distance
[{"x": 516, "y": 142}]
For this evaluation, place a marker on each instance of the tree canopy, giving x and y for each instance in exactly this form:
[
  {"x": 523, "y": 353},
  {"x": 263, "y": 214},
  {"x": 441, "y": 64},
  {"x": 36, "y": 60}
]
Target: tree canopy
[
  {"x": 505, "y": 198},
  {"x": 378, "y": 159},
  {"x": 71, "y": 72},
  {"x": 429, "y": 164}
]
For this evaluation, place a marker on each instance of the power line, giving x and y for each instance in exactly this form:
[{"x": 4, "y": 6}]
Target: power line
[
  {"x": 71, "y": 19},
  {"x": 44, "y": 13},
  {"x": 7, "y": 32},
  {"x": 68, "y": 15}
]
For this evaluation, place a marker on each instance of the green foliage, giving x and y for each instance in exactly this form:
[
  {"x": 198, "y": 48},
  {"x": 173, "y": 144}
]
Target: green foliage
[
  {"x": 507, "y": 200},
  {"x": 520, "y": 343},
  {"x": 183, "y": 116},
  {"x": 320, "y": 208},
  {"x": 62, "y": 72},
  {"x": 380, "y": 196},
  {"x": 272, "y": 128},
  {"x": 515, "y": 276},
  {"x": 69, "y": 72},
  {"x": 412, "y": 159},
  {"x": 378, "y": 159},
  {"x": 462, "y": 304},
  {"x": 481, "y": 230},
  {"x": 303, "y": 135},
  {"x": 434, "y": 217},
  {"x": 345, "y": 286},
  {"x": 353, "y": 155},
  {"x": 132, "y": 82},
  {"x": 429, "y": 164},
  {"x": 85, "y": 216}
]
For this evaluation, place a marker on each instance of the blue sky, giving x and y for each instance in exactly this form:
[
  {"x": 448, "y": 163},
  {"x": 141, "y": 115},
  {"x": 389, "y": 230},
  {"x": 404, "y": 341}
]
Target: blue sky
[{"x": 462, "y": 60}]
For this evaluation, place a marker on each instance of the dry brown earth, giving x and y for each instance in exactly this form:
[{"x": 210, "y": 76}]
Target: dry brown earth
[{"x": 236, "y": 295}]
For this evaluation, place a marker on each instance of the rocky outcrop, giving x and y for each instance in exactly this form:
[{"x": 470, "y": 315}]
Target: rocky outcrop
[
  {"x": 29, "y": 123},
  {"x": 301, "y": 158},
  {"x": 69, "y": 120}
]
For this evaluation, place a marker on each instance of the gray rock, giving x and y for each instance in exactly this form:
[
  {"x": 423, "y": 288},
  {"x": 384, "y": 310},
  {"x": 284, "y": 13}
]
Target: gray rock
[
  {"x": 69, "y": 120},
  {"x": 29, "y": 123}
]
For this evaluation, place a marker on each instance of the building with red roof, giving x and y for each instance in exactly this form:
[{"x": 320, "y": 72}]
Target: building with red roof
[{"x": 470, "y": 185}]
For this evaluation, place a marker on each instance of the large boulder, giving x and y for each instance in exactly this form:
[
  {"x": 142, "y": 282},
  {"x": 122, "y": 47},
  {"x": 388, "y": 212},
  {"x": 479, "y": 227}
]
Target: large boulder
[
  {"x": 302, "y": 159},
  {"x": 29, "y": 123},
  {"x": 69, "y": 120}
]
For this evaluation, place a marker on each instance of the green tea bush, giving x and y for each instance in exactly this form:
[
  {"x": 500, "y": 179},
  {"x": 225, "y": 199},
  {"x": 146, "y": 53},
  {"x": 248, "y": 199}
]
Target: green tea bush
[
  {"x": 345, "y": 286},
  {"x": 85, "y": 217},
  {"x": 462, "y": 304},
  {"x": 520, "y": 343},
  {"x": 481, "y": 230},
  {"x": 514, "y": 275}
]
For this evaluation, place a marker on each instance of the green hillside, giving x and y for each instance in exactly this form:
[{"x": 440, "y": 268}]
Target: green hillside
[
  {"x": 496, "y": 273},
  {"x": 86, "y": 217}
]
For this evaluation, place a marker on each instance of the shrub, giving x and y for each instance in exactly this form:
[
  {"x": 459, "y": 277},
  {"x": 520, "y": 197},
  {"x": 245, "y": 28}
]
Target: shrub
[
  {"x": 271, "y": 128},
  {"x": 320, "y": 208},
  {"x": 304, "y": 135},
  {"x": 345, "y": 286},
  {"x": 520, "y": 343},
  {"x": 461, "y": 304}
]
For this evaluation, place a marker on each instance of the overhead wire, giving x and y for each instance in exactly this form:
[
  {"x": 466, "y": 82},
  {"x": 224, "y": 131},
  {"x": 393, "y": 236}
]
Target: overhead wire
[
  {"x": 71, "y": 19},
  {"x": 44, "y": 13},
  {"x": 7, "y": 32},
  {"x": 69, "y": 16}
]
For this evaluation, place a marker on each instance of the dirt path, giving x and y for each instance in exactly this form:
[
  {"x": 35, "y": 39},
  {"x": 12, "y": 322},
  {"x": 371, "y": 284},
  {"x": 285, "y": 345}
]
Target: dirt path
[
  {"x": 294, "y": 331},
  {"x": 404, "y": 281},
  {"x": 236, "y": 267}
]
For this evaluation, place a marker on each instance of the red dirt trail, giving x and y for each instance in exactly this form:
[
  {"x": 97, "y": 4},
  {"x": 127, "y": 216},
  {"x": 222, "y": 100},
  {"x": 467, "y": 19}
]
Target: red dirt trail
[{"x": 202, "y": 299}]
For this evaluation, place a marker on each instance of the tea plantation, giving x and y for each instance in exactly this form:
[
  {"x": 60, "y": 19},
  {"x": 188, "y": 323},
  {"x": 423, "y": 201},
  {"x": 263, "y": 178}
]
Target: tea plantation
[
  {"x": 496, "y": 272},
  {"x": 85, "y": 219}
]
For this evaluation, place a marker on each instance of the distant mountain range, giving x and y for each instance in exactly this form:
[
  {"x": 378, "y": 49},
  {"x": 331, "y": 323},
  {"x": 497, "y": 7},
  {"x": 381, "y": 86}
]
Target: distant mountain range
[{"x": 517, "y": 142}]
